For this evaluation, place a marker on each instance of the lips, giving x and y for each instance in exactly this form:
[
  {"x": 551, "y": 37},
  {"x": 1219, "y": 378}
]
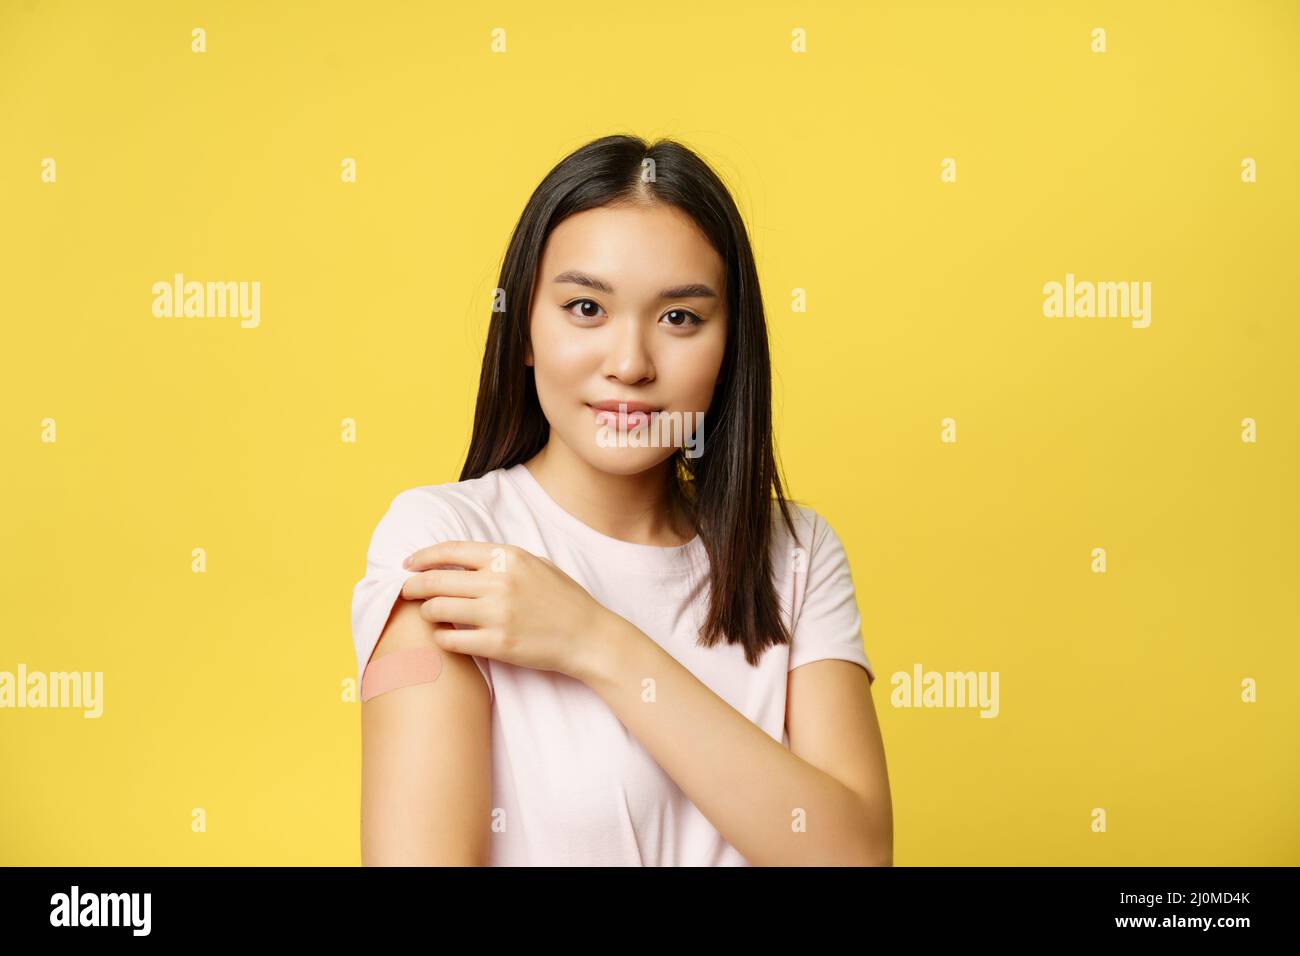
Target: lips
[
  {"x": 630, "y": 416},
  {"x": 613, "y": 405}
]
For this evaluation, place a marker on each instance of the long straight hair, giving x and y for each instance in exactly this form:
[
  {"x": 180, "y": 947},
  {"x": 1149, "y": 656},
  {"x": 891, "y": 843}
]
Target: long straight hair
[{"x": 730, "y": 491}]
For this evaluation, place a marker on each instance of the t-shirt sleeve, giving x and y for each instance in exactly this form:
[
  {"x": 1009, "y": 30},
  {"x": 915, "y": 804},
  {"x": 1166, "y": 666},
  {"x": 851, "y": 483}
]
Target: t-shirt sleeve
[
  {"x": 415, "y": 519},
  {"x": 828, "y": 624}
]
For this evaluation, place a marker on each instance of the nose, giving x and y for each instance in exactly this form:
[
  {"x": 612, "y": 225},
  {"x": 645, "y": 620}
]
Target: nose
[{"x": 629, "y": 360}]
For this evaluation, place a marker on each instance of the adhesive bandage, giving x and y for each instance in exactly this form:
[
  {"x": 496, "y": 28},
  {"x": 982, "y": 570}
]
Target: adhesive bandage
[{"x": 412, "y": 665}]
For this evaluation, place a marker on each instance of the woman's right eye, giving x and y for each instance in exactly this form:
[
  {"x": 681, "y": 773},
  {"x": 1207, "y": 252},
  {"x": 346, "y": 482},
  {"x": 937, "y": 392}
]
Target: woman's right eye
[{"x": 580, "y": 302}]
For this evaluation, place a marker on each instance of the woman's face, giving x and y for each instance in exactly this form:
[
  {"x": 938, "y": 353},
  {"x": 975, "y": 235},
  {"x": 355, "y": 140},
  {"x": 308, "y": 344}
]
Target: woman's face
[{"x": 602, "y": 330}]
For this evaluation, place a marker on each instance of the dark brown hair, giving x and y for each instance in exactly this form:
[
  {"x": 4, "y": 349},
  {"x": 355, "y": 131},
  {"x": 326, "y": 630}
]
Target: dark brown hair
[{"x": 731, "y": 490}]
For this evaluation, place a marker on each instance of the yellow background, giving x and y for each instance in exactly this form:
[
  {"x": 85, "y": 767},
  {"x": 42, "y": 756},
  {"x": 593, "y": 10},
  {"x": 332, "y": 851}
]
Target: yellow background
[{"x": 223, "y": 690}]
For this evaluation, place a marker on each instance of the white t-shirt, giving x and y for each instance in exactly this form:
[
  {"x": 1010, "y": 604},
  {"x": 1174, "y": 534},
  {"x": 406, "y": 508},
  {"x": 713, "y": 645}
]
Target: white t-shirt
[{"x": 575, "y": 786}]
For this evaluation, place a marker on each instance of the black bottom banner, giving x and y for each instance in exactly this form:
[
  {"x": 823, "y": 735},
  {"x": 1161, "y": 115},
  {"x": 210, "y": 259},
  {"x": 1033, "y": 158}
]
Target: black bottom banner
[{"x": 439, "y": 905}]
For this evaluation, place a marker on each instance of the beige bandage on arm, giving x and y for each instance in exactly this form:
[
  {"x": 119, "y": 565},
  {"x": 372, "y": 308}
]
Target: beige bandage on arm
[{"x": 413, "y": 665}]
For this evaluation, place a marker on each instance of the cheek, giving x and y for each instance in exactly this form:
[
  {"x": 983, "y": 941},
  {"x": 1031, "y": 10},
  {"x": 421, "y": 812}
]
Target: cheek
[
  {"x": 695, "y": 372},
  {"x": 562, "y": 361}
]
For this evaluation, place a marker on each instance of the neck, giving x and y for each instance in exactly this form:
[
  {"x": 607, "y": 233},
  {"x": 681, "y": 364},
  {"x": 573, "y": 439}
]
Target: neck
[{"x": 635, "y": 508}]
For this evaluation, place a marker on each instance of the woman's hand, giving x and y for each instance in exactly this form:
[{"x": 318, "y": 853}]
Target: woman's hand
[{"x": 522, "y": 608}]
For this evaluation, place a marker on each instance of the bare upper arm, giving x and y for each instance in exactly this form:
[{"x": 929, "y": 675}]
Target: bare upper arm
[
  {"x": 426, "y": 773},
  {"x": 831, "y": 723}
]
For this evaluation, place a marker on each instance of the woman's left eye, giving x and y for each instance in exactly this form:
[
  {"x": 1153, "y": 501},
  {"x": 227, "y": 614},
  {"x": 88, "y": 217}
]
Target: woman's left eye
[{"x": 688, "y": 319}]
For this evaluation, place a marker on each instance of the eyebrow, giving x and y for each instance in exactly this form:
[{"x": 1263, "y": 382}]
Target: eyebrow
[{"x": 692, "y": 290}]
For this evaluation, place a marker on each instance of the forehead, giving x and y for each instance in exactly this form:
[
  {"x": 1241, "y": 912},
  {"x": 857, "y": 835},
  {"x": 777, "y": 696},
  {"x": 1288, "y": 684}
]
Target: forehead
[{"x": 637, "y": 249}]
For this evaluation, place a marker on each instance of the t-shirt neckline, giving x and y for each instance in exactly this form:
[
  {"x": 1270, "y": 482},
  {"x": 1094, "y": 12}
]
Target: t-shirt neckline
[{"x": 648, "y": 557}]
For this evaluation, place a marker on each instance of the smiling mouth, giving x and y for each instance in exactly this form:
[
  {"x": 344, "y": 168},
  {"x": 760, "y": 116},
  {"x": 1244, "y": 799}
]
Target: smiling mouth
[{"x": 636, "y": 415}]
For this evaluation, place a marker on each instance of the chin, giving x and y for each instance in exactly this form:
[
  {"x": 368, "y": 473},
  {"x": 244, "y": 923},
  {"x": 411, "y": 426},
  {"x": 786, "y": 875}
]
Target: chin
[{"x": 625, "y": 461}]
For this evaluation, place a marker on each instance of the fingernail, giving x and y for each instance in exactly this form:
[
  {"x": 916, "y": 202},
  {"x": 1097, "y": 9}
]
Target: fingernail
[{"x": 406, "y": 561}]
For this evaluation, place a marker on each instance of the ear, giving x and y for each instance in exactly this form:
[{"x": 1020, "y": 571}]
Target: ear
[{"x": 528, "y": 353}]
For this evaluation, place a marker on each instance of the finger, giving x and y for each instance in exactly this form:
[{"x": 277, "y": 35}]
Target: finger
[
  {"x": 475, "y": 642},
  {"x": 450, "y": 583},
  {"x": 466, "y": 554},
  {"x": 453, "y": 610}
]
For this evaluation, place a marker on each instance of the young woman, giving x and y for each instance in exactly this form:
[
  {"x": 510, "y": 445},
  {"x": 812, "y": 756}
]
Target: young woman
[{"x": 615, "y": 641}]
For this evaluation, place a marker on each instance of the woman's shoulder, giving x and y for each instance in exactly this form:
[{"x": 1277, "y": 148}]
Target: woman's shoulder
[
  {"x": 805, "y": 519},
  {"x": 451, "y": 507},
  {"x": 471, "y": 491},
  {"x": 813, "y": 538}
]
